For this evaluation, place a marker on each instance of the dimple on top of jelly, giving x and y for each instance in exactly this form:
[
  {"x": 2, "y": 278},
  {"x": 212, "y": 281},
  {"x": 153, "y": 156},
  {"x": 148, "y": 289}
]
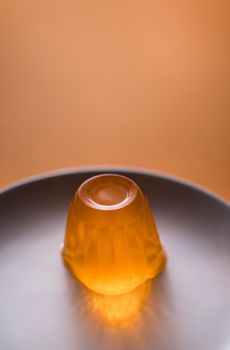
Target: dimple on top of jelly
[{"x": 108, "y": 192}]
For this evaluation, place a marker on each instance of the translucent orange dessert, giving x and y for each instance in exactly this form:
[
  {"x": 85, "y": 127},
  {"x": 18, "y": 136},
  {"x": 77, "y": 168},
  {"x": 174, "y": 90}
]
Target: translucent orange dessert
[{"x": 111, "y": 241}]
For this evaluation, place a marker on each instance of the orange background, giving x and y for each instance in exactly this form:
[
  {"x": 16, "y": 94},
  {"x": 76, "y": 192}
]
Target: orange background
[{"x": 136, "y": 83}]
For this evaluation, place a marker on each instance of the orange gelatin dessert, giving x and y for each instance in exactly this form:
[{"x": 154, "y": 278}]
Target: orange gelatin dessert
[{"x": 111, "y": 241}]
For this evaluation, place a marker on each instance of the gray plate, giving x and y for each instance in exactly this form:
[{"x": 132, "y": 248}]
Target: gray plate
[{"x": 43, "y": 307}]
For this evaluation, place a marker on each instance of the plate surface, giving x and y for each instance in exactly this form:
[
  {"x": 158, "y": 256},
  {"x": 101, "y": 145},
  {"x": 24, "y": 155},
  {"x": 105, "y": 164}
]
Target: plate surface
[{"x": 43, "y": 307}]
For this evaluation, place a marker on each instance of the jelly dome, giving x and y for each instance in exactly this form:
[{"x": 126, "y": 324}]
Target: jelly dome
[{"x": 111, "y": 241}]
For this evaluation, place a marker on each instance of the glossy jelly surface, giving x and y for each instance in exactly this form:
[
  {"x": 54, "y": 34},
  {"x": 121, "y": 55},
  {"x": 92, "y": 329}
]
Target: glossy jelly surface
[{"x": 111, "y": 241}]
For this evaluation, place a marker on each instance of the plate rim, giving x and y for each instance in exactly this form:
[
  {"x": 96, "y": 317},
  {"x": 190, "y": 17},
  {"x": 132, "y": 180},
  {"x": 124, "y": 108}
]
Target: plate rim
[{"x": 132, "y": 170}]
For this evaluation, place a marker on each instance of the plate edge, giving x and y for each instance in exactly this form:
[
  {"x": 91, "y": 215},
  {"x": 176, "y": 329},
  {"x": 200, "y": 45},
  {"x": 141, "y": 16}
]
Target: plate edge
[{"x": 104, "y": 168}]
